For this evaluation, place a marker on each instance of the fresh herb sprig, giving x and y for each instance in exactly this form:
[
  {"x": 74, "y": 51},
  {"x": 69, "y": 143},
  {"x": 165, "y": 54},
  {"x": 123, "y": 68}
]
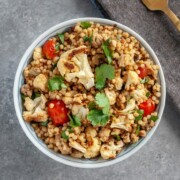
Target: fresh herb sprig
[
  {"x": 56, "y": 83},
  {"x": 107, "y": 51},
  {"x": 85, "y": 24},
  {"x": 103, "y": 72},
  {"x": 144, "y": 80},
  {"x": 64, "y": 135},
  {"x": 154, "y": 118},
  {"x": 61, "y": 38},
  {"x": 88, "y": 38},
  {"x": 74, "y": 121},
  {"x": 99, "y": 115},
  {"x": 140, "y": 115}
]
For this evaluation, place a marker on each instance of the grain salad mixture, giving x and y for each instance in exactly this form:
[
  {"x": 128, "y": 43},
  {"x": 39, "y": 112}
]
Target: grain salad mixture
[{"x": 91, "y": 91}]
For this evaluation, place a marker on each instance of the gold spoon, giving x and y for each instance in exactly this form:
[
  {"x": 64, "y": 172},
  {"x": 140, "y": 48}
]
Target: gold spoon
[{"x": 162, "y": 5}]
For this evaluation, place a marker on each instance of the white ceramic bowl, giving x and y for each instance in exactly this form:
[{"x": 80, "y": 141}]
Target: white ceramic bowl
[{"x": 82, "y": 163}]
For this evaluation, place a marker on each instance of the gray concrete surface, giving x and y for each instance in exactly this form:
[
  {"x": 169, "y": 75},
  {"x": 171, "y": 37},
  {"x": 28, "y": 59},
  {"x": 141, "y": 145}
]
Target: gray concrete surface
[{"x": 21, "y": 22}]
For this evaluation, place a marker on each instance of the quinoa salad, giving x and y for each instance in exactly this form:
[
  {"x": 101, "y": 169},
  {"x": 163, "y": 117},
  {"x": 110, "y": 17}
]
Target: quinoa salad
[{"x": 91, "y": 91}]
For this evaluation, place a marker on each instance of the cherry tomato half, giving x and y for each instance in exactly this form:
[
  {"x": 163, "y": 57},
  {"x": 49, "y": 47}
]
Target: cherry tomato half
[
  {"x": 49, "y": 49},
  {"x": 143, "y": 72},
  {"x": 148, "y": 106},
  {"x": 57, "y": 112}
]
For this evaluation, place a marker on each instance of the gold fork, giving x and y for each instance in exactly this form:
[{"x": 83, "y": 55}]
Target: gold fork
[{"x": 162, "y": 5}]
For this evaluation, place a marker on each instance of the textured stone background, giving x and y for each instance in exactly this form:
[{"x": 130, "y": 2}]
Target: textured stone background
[{"x": 21, "y": 22}]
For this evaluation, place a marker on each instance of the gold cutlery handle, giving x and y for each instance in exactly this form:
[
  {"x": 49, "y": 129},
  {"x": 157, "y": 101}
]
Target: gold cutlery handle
[{"x": 173, "y": 18}]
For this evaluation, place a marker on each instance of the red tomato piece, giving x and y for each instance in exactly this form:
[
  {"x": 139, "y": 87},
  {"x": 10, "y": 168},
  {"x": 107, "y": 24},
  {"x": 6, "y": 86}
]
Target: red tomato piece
[
  {"x": 49, "y": 50},
  {"x": 57, "y": 112},
  {"x": 143, "y": 72},
  {"x": 148, "y": 106}
]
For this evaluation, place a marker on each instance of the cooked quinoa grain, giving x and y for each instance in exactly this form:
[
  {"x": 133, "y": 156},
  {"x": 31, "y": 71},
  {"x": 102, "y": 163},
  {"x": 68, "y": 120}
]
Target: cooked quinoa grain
[{"x": 91, "y": 91}]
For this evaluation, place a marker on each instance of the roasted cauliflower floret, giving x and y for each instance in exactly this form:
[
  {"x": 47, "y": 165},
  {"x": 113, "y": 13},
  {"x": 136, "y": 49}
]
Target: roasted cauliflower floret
[
  {"x": 132, "y": 79},
  {"x": 110, "y": 150},
  {"x": 129, "y": 107},
  {"x": 80, "y": 66},
  {"x": 37, "y": 53},
  {"x": 30, "y": 104},
  {"x": 121, "y": 123},
  {"x": 80, "y": 111},
  {"x": 90, "y": 132},
  {"x": 62, "y": 145},
  {"x": 35, "y": 109},
  {"x": 115, "y": 131},
  {"x": 75, "y": 108},
  {"x": 82, "y": 139},
  {"x": 111, "y": 95},
  {"x": 77, "y": 130},
  {"x": 82, "y": 114},
  {"x": 76, "y": 154},
  {"x": 139, "y": 95},
  {"x": 34, "y": 71},
  {"x": 93, "y": 148},
  {"x": 104, "y": 134},
  {"x": 40, "y": 82},
  {"x": 26, "y": 90},
  {"x": 126, "y": 59},
  {"x": 118, "y": 83},
  {"x": 93, "y": 144},
  {"x": 76, "y": 146}
]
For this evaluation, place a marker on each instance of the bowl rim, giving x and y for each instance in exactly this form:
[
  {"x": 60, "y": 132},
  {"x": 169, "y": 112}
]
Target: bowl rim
[{"x": 16, "y": 91}]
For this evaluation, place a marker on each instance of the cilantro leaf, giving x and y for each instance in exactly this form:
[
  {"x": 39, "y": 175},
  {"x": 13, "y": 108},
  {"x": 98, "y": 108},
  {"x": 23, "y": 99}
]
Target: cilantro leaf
[
  {"x": 138, "y": 129},
  {"x": 87, "y": 38},
  {"x": 106, "y": 109},
  {"x": 74, "y": 121},
  {"x": 44, "y": 123},
  {"x": 64, "y": 135},
  {"x": 140, "y": 116},
  {"x": 23, "y": 97},
  {"x": 103, "y": 72},
  {"x": 117, "y": 137},
  {"x": 154, "y": 118},
  {"x": 103, "y": 102},
  {"x": 145, "y": 80},
  {"x": 56, "y": 83},
  {"x": 91, "y": 105},
  {"x": 148, "y": 94},
  {"x": 97, "y": 117},
  {"x": 85, "y": 25},
  {"x": 57, "y": 47},
  {"x": 70, "y": 129},
  {"x": 35, "y": 95},
  {"x": 61, "y": 38},
  {"x": 107, "y": 51},
  {"x": 54, "y": 66}
]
